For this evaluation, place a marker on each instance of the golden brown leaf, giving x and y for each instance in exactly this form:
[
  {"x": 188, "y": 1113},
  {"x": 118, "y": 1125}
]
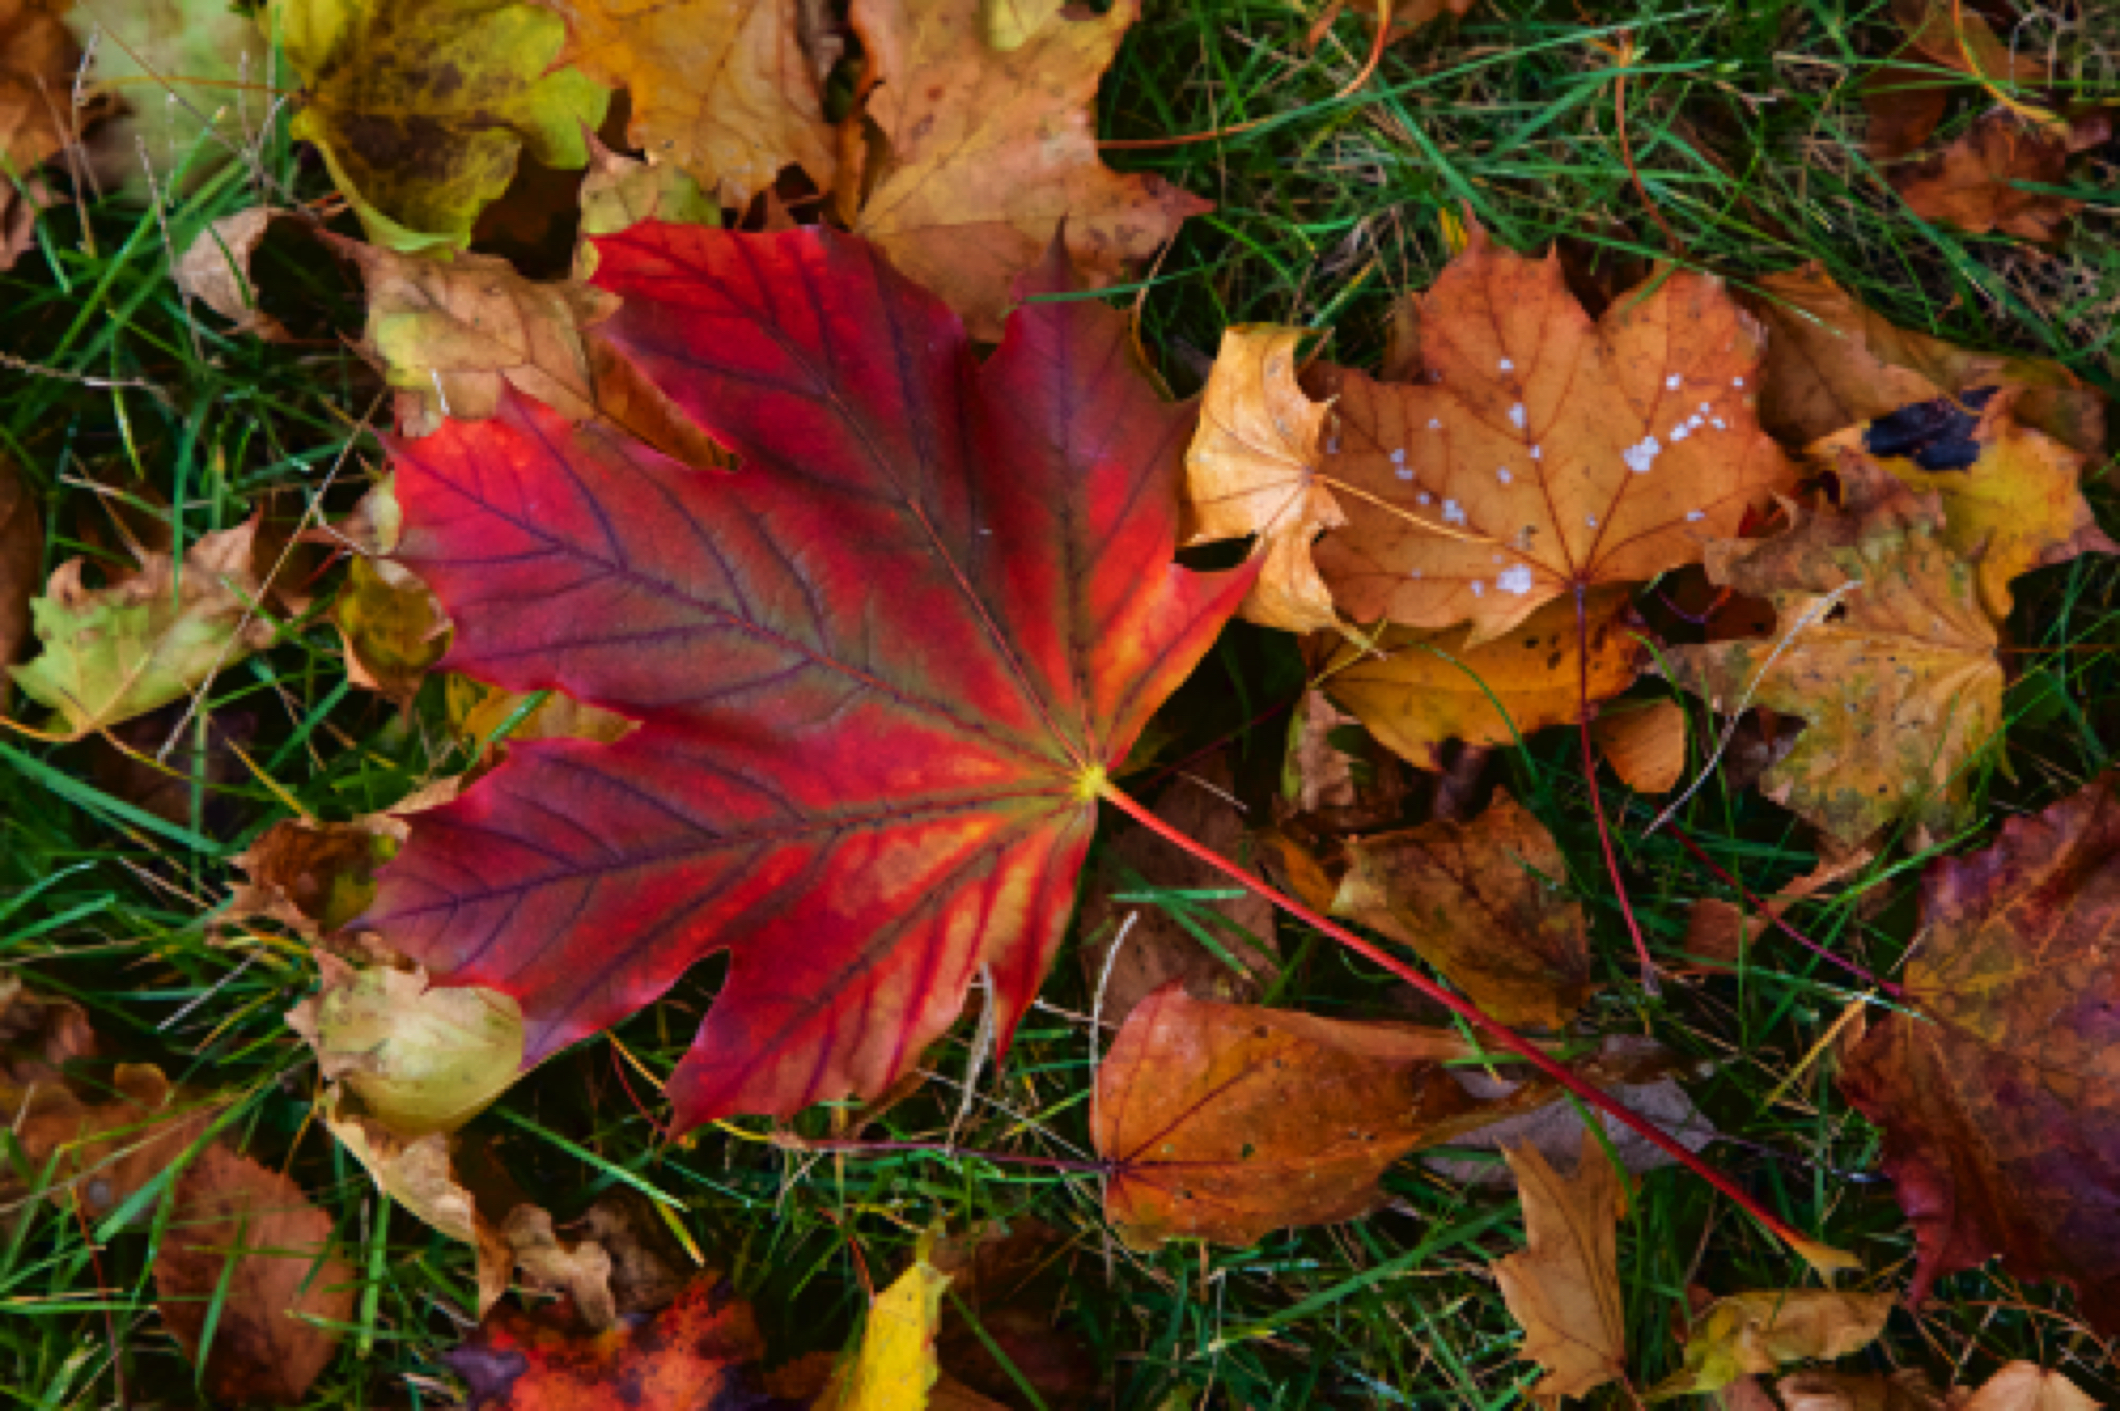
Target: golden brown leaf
[
  {"x": 1481, "y": 902},
  {"x": 1645, "y": 746},
  {"x": 2024, "y": 1386},
  {"x": 110, "y": 1141},
  {"x": 478, "y": 710},
  {"x": 1581, "y": 454},
  {"x": 1251, "y": 472},
  {"x": 1417, "y": 690},
  {"x": 990, "y": 149},
  {"x": 1977, "y": 183},
  {"x": 216, "y": 271},
  {"x": 1896, "y": 679},
  {"x": 265, "y": 1346},
  {"x": 1563, "y": 1287},
  {"x": 723, "y": 90},
  {"x": 1997, "y": 1095},
  {"x": 1760, "y": 1332},
  {"x": 1229, "y": 1121},
  {"x": 313, "y": 878}
]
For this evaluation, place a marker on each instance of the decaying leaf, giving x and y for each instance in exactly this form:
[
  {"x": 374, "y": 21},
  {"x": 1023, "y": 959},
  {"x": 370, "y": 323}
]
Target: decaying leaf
[
  {"x": 619, "y": 193},
  {"x": 723, "y": 91},
  {"x": 37, "y": 60},
  {"x": 110, "y": 1141},
  {"x": 21, "y": 563},
  {"x": 1762, "y": 1332},
  {"x": 1978, "y": 183},
  {"x": 1904, "y": 106},
  {"x": 928, "y": 610},
  {"x": 1577, "y": 454},
  {"x": 1481, "y": 902},
  {"x": 175, "y": 60},
  {"x": 1563, "y": 1287},
  {"x": 421, "y": 107},
  {"x": 2010, "y": 497},
  {"x": 1417, "y": 690},
  {"x": 313, "y": 878},
  {"x": 990, "y": 149},
  {"x": 1645, "y": 746},
  {"x": 1957, "y": 36},
  {"x": 700, "y": 1351},
  {"x": 1997, "y": 1096},
  {"x": 148, "y": 639},
  {"x": 1229, "y": 1121},
  {"x": 1833, "y": 363},
  {"x": 2025, "y": 1386},
  {"x": 246, "y": 1246},
  {"x": 1897, "y": 680},
  {"x": 1252, "y": 471},
  {"x": 393, "y": 635}
]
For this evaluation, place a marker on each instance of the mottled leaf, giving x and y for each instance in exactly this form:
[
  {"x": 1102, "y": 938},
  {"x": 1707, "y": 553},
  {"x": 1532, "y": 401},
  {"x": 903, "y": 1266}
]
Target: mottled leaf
[
  {"x": 1761, "y": 1332},
  {"x": 1980, "y": 182}
]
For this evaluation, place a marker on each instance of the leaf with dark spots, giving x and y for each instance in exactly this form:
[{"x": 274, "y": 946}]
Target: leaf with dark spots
[
  {"x": 881, "y": 668},
  {"x": 1935, "y": 435}
]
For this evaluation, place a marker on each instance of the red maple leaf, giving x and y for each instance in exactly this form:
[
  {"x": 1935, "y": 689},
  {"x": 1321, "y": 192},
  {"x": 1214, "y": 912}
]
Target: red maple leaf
[{"x": 881, "y": 668}]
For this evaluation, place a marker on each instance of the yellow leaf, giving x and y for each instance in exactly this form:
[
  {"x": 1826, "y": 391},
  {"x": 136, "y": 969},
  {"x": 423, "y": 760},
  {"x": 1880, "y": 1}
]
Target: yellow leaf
[
  {"x": 1761, "y": 1332},
  {"x": 896, "y": 1368},
  {"x": 1563, "y": 1289}
]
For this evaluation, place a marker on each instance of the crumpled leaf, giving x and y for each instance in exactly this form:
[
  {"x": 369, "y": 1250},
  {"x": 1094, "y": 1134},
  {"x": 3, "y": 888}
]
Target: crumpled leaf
[
  {"x": 21, "y": 563},
  {"x": 264, "y": 1345},
  {"x": 1646, "y": 747},
  {"x": 313, "y": 878},
  {"x": 421, "y": 107},
  {"x": 1417, "y": 690},
  {"x": 1904, "y": 105},
  {"x": 700, "y": 1351},
  {"x": 215, "y": 270},
  {"x": 175, "y": 60},
  {"x": 1760, "y": 1332},
  {"x": 1563, "y": 1286},
  {"x": 1845, "y": 1391},
  {"x": 1832, "y": 363},
  {"x": 724, "y": 91},
  {"x": 1577, "y": 454},
  {"x": 393, "y": 635},
  {"x": 2025, "y": 1386},
  {"x": 1996, "y": 1096},
  {"x": 883, "y": 667},
  {"x": 1955, "y": 35},
  {"x": 991, "y": 149},
  {"x": 1229, "y": 1121},
  {"x": 37, "y": 61},
  {"x": 1481, "y": 902},
  {"x": 147, "y": 639},
  {"x": 1252, "y": 471},
  {"x": 1898, "y": 683},
  {"x": 1977, "y": 183},
  {"x": 2011, "y": 501}
]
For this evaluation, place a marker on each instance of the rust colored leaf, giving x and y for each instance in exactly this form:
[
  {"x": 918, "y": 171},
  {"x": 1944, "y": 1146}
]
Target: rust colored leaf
[
  {"x": 1996, "y": 1098},
  {"x": 1953, "y": 33},
  {"x": 1563, "y": 1287},
  {"x": 110, "y": 1140},
  {"x": 1646, "y": 747},
  {"x": 1580, "y": 454},
  {"x": 2010, "y": 495},
  {"x": 1832, "y": 363},
  {"x": 1897, "y": 679},
  {"x": 1481, "y": 902},
  {"x": 700, "y": 1351},
  {"x": 882, "y": 668},
  {"x": 230, "y": 1211},
  {"x": 1749, "y": 1333},
  {"x": 990, "y": 149},
  {"x": 1904, "y": 106},
  {"x": 1977, "y": 183},
  {"x": 1417, "y": 691},
  {"x": 1229, "y": 1121},
  {"x": 723, "y": 90}
]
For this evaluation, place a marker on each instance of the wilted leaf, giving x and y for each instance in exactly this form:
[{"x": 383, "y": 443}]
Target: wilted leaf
[
  {"x": 1978, "y": 182},
  {"x": 37, "y": 59},
  {"x": 722, "y": 90},
  {"x": 21, "y": 562},
  {"x": 313, "y": 878},
  {"x": 990, "y": 149},
  {"x": 245, "y": 1245},
  {"x": 147, "y": 639},
  {"x": 2024, "y": 1386},
  {"x": 2010, "y": 497},
  {"x": 1229, "y": 1121},
  {"x": 1832, "y": 363},
  {"x": 1418, "y": 690},
  {"x": 700, "y": 1351},
  {"x": 1761, "y": 1332},
  {"x": 216, "y": 271},
  {"x": 1898, "y": 682},
  {"x": 393, "y": 635},
  {"x": 1645, "y": 746},
  {"x": 421, "y": 107},
  {"x": 175, "y": 61},
  {"x": 1580, "y": 454},
  {"x": 1563, "y": 1287},
  {"x": 1252, "y": 471},
  {"x": 1997, "y": 1096},
  {"x": 928, "y": 610},
  {"x": 1481, "y": 902}
]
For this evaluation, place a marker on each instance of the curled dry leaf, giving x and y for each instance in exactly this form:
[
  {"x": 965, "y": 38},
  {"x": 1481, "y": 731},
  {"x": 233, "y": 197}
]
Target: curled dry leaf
[
  {"x": 1252, "y": 472},
  {"x": 990, "y": 149},
  {"x": 1832, "y": 363},
  {"x": 1897, "y": 680},
  {"x": 148, "y": 639},
  {"x": 313, "y": 878},
  {"x": 2010, "y": 495},
  {"x": 925, "y": 606},
  {"x": 1563, "y": 1287},
  {"x": 111, "y": 1140},
  {"x": 1646, "y": 747},
  {"x": 1575, "y": 454},
  {"x": 215, "y": 270},
  {"x": 1903, "y": 105},
  {"x": 1417, "y": 691},
  {"x": 1761, "y": 1332},
  {"x": 393, "y": 635},
  {"x": 422, "y": 107},
  {"x": 246, "y": 1260},
  {"x": 701, "y": 1351},
  {"x": 21, "y": 559},
  {"x": 1481, "y": 902},
  {"x": 723, "y": 91},
  {"x": 1955, "y": 35},
  {"x": 1996, "y": 1096},
  {"x": 1979, "y": 183},
  {"x": 1225, "y": 1122},
  {"x": 2025, "y": 1386}
]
